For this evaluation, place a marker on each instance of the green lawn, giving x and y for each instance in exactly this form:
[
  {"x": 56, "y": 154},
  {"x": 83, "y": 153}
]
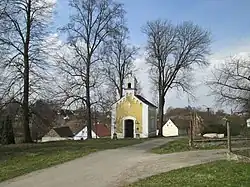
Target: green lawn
[
  {"x": 215, "y": 174},
  {"x": 180, "y": 145},
  {"x": 16, "y": 160}
]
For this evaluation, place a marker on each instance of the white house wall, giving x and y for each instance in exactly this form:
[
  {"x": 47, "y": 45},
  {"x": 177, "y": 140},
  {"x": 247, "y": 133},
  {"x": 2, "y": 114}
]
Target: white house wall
[
  {"x": 156, "y": 127},
  {"x": 144, "y": 133},
  {"x": 152, "y": 121},
  {"x": 113, "y": 116},
  {"x": 169, "y": 129},
  {"x": 52, "y": 139},
  {"x": 83, "y": 134}
]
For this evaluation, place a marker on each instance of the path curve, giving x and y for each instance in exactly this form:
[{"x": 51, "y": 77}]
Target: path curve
[{"x": 113, "y": 168}]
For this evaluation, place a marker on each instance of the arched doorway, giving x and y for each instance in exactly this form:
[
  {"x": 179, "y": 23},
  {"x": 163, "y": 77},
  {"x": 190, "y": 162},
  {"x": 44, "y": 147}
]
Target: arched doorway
[{"x": 129, "y": 128}]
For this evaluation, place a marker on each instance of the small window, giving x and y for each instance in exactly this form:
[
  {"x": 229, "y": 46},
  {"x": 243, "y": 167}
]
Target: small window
[{"x": 129, "y": 85}]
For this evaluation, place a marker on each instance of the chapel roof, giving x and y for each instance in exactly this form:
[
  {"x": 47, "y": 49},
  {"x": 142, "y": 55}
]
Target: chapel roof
[{"x": 142, "y": 99}]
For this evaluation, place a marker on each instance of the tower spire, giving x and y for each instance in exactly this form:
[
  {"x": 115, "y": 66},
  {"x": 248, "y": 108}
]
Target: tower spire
[{"x": 130, "y": 84}]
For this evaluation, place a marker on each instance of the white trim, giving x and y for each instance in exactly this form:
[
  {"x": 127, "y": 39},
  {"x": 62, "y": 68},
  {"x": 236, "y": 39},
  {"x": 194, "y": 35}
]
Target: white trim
[
  {"x": 123, "y": 125},
  {"x": 145, "y": 120},
  {"x": 113, "y": 119},
  {"x": 124, "y": 97},
  {"x": 153, "y": 114}
]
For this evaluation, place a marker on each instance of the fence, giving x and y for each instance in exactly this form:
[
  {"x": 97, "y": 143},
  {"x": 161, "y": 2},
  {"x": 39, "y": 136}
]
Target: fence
[{"x": 228, "y": 138}]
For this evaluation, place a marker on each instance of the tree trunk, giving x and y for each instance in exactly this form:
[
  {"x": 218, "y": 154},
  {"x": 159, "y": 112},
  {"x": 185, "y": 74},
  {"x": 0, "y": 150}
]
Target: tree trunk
[
  {"x": 161, "y": 113},
  {"x": 26, "y": 128},
  {"x": 120, "y": 90},
  {"x": 88, "y": 104}
]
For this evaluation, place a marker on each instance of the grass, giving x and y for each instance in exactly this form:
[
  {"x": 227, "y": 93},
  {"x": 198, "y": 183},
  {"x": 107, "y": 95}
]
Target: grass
[
  {"x": 219, "y": 174},
  {"x": 16, "y": 160},
  {"x": 180, "y": 145}
]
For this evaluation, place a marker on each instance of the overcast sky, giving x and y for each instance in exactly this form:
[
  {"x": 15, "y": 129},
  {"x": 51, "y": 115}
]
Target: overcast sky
[{"x": 228, "y": 21}]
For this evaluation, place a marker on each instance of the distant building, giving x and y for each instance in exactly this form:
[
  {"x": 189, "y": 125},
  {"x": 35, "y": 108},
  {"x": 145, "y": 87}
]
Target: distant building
[
  {"x": 58, "y": 134},
  {"x": 97, "y": 131},
  {"x": 176, "y": 127}
]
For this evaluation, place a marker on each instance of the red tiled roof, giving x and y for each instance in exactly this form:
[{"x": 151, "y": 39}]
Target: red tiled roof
[{"x": 101, "y": 130}]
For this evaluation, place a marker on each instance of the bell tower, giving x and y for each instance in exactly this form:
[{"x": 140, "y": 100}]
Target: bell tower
[{"x": 130, "y": 84}]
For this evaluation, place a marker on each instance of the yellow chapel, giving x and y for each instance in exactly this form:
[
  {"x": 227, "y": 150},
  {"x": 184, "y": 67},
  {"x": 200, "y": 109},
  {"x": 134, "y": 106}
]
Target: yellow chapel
[{"x": 133, "y": 114}]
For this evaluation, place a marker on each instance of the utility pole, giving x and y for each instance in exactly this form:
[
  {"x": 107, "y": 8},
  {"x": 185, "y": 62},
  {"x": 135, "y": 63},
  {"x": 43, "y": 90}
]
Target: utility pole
[{"x": 191, "y": 134}]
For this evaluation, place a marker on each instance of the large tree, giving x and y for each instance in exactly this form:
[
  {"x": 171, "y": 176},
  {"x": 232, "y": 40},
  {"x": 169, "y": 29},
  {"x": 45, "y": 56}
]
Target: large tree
[
  {"x": 172, "y": 54},
  {"x": 119, "y": 56},
  {"x": 230, "y": 83},
  {"x": 91, "y": 24},
  {"x": 24, "y": 30}
]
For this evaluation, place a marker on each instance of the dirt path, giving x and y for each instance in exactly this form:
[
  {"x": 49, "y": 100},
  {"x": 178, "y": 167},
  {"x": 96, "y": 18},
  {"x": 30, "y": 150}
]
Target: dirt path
[{"x": 113, "y": 168}]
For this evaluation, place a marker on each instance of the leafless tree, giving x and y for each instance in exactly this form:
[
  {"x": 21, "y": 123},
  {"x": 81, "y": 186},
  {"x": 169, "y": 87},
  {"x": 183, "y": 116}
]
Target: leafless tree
[
  {"x": 91, "y": 23},
  {"x": 138, "y": 87},
  {"x": 173, "y": 52},
  {"x": 119, "y": 56},
  {"x": 24, "y": 30},
  {"x": 230, "y": 82}
]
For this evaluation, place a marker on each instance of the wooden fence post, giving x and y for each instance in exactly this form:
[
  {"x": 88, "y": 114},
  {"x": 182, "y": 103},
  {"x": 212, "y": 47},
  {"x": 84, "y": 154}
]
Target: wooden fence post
[
  {"x": 191, "y": 134},
  {"x": 229, "y": 145}
]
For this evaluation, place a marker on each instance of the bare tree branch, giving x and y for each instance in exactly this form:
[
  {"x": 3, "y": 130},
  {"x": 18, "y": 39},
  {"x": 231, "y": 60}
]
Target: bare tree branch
[{"x": 230, "y": 82}]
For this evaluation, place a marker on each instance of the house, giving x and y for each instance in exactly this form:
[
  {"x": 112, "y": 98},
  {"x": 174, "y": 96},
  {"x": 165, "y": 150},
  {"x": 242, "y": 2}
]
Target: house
[
  {"x": 98, "y": 130},
  {"x": 57, "y": 134},
  {"x": 175, "y": 127},
  {"x": 170, "y": 129},
  {"x": 83, "y": 134},
  {"x": 133, "y": 114},
  {"x": 182, "y": 117}
]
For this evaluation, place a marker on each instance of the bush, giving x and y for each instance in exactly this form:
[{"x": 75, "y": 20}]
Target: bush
[
  {"x": 6, "y": 131},
  {"x": 214, "y": 128}
]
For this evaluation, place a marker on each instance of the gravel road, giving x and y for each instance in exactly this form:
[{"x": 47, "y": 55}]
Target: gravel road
[{"x": 113, "y": 168}]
